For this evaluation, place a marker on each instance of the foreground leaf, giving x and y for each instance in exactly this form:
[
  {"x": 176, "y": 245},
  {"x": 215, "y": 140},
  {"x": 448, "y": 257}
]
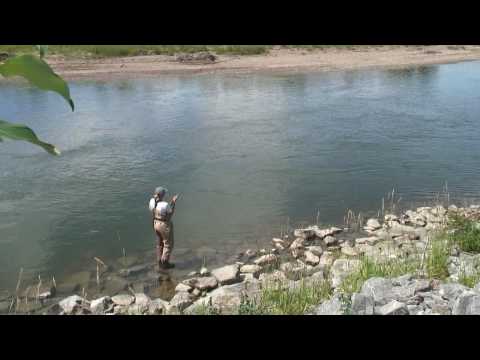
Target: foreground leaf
[
  {"x": 22, "y": 132},
  {"x": 38, "y": 73}
]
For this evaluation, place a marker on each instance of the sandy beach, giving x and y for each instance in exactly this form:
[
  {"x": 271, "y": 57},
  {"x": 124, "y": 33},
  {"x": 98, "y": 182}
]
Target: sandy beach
[{"x": 278, "y": 59}]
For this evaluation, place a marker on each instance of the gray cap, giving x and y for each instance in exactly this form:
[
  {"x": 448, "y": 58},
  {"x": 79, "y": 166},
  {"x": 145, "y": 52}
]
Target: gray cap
[{"x": 160, "y": 191}]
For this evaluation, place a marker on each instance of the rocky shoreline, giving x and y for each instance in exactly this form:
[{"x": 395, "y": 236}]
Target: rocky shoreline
[{"x": 400, "y": 246}]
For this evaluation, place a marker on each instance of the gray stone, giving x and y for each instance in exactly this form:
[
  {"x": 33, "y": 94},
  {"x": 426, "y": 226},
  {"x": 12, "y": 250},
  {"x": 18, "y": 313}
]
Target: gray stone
[
  {"x": 251, "y": 269},
  {"x": 266, "y": 260},
  {"x": 394, "y": 307},
  {"x": 372, "y": 240},
  {"x": 380, "y": 289},
  {"x": 362, "y": 305},
  {"x": 423, "y": 285},
  {"x": 462, "y": 305},
  {"x": 99, "y": 306},
  {"x": 298, "y": 243},
  {"x": 142, "y": 299},
  {"x": 330, "y": 240},
  {"x": 71, "y": 303},
  {"x": 311, "y": 258},
  {"x": 228, "y": 274},
  {"x": 204, "y": 283},
  {"x": 451, "y": 291},
  {"x": 477, "y": 288},
  {"x": 180, "y": 301},
  {"x": 333, "y": 306},
  {"x": 306, "y": 233},
  {"x": 315, "y": 249},
  {"x": 123, "y": 299},
  {"x": 157, "y": 307},
  {"x": 183, "y": 287},
  {"x": 372, "y": 224},
  {"x": 137, "y": 309}
]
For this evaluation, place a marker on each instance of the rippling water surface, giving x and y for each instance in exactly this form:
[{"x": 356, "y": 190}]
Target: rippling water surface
[{"x": 248, "y": 153}]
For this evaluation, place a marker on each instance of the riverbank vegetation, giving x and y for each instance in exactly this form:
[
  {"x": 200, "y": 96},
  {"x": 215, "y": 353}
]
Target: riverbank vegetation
[{"x": 106, "y": 51}]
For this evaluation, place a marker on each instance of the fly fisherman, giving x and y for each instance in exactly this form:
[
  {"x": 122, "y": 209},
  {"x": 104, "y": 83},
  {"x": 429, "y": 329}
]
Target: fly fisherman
[{"x": 162, "y": 213}]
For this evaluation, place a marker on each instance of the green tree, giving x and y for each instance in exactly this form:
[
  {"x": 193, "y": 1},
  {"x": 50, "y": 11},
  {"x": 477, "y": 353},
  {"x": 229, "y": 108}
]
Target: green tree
[{"x": 34, "y": 69}]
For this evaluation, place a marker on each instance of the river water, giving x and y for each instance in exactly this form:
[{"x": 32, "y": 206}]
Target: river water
[{"x": 249, "y": 153}]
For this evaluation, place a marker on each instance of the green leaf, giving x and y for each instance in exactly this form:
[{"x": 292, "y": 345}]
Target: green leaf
[
  {"x": 22, "y": 132},
  {"x": 38, "y": 73}
]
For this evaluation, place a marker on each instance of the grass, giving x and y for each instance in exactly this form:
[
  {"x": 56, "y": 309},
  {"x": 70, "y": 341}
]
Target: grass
[
  {"x": 276, "y": 300},
  {"x": 371, "y": 268},
  {"x": 437, "y": 258},
  {"x": 106, "y": 51},
  {"x": 466, "y": 234},
  {"x": 469, "y": 280}
]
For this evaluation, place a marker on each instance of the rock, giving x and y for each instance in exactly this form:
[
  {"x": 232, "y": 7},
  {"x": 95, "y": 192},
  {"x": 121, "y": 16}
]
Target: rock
[
  {"x": 322, "y": 233},
  {"x": 202, "y": 57},
  {"x": 341, "y": 268},
  {"x": 349, "y": 251},
  {"x": 229, "y": 274},
  {"x": 379, "y": 289},
  {"x": 134, "y": 270},
  {"x": 477, "y": 288},
  {"x": 403, "y": 280},
  {"x": 71, "y": 303},
  {"x": 183, "y": 287},
  {"x": 250, "y": 254},
  {"x": 298, "y": 243},
  {"x": 204, "y": 271},
  {"x": 306, "y": 233},
  {"x": 330, "y": 240},
  {"x": 316, "y": 250},
  {"x": 423, "y": 285},
  {"x": 99, "y": 306},
  {"x": 296, "y": 253},
  {"x": 193, "y": 273},
  {"x": 372, "y": 225},
  {"x": 451, "y": 291},
  {"x": 392, "y": 308},
  {"x": 142, "y": 299},
  {"x": 157, "y": 307},
  {"x": 391, "y": 217},
  {"x": 362, "y": 304},
  {"x": 180, "y": 302},
  {"x": 137, "y": 309},
  {"x": 266, "y": 260},
  {"x": 468, "y": 303},
  {"x": 123, "y": 299},
  {"x": 197, "y": 292},
  {"x": 293, "y": 270},
  {"x": 203, "y": 283},
  {"x": 251, "y": 269},
  {"x": 277, "y": 241},
  {"x": 372, "y": 240},
  {"x": 311, "y": 258},
  {"x": 333, "y": 306},
  {"x": 327, "y": 259}
]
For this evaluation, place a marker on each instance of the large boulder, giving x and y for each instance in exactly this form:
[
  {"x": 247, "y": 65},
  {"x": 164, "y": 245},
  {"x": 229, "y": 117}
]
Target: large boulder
[
  {"x": 71, "y": 303},
  {"x": 202, "y": 283},
  {"x": 123, "y": 299},
  {"x": 180, "y": 302},
  {"x": 251, "y": 269},
  {"x": 99, "y": 306},
  {"x": 229, "y": 274},
  {"x": 467, "y": 303},
  {"x": 267, "y": 259},
  {"x": 362, "y": 304},
  {"x": 334, "y": 306},
  {"x": 394, "y": 307},
  {"x": 311, "y": 258}
]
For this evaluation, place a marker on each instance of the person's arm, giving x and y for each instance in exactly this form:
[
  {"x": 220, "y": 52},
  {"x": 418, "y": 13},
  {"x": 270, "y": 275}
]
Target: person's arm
[
  {"x": 151, "y": 204},
  {"x": 172, "y": 204}
]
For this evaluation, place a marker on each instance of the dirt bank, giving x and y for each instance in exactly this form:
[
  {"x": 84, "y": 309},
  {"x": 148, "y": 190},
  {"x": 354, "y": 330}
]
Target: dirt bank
[{"x": 281, "y": 59}]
